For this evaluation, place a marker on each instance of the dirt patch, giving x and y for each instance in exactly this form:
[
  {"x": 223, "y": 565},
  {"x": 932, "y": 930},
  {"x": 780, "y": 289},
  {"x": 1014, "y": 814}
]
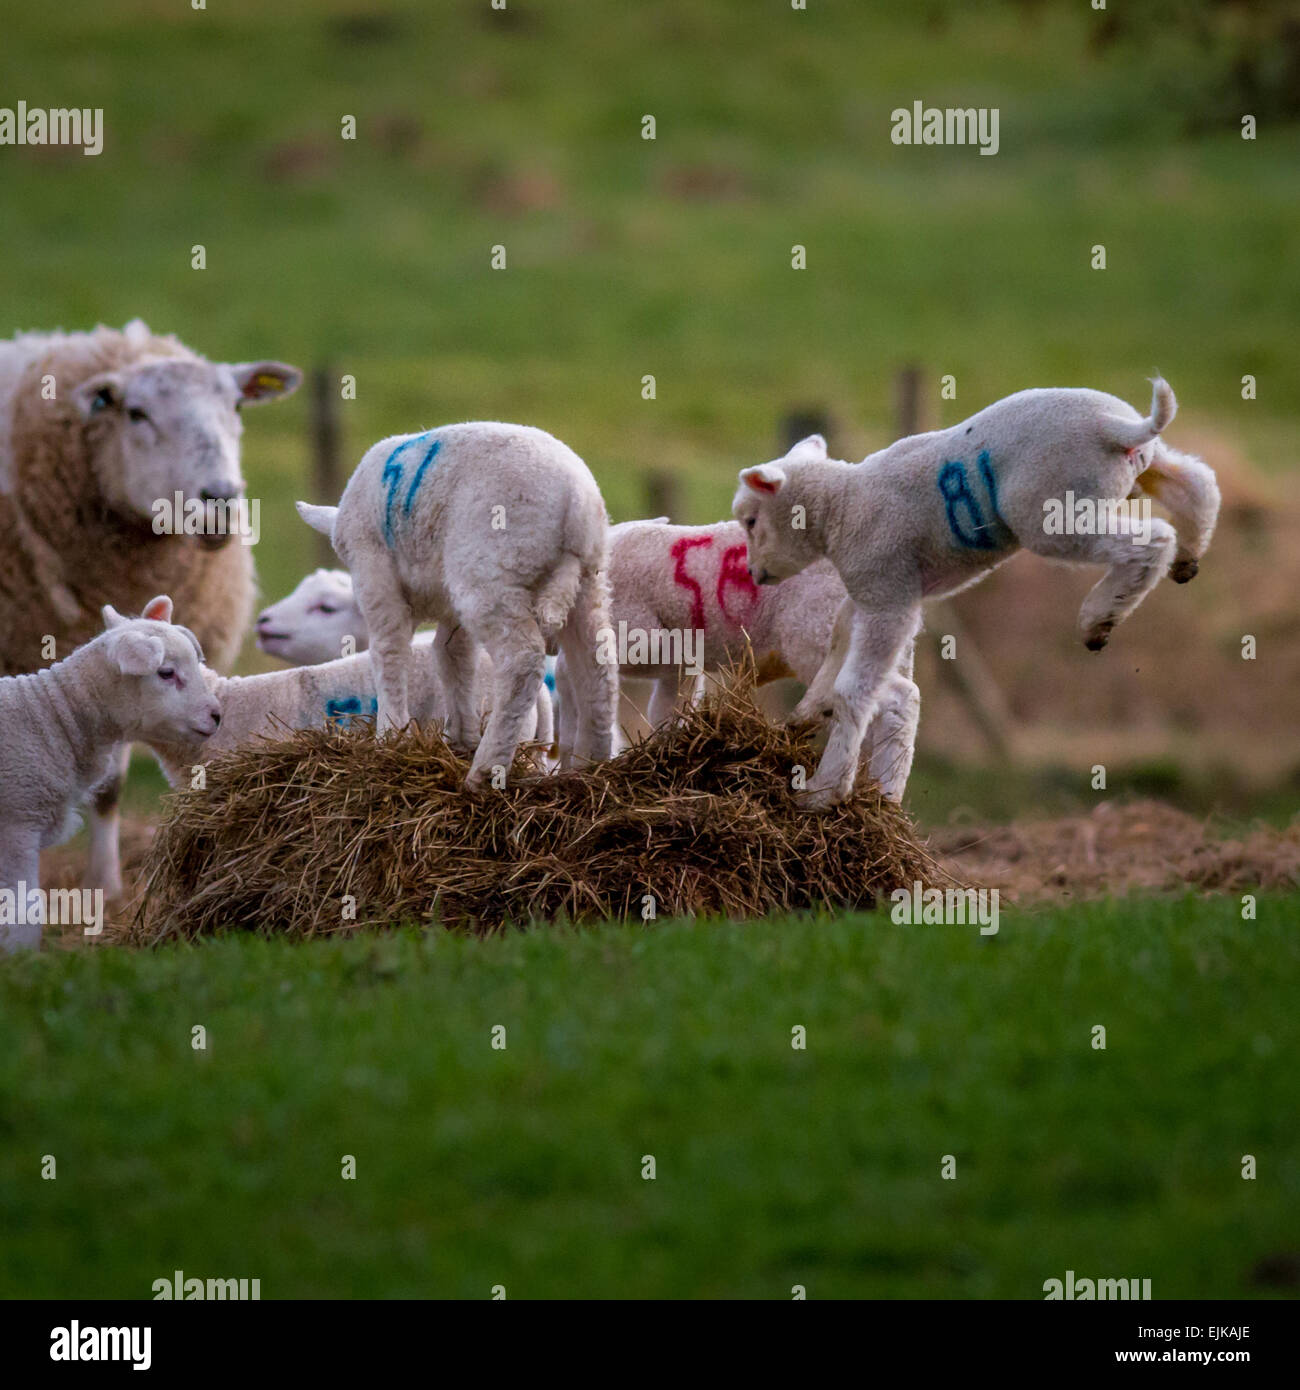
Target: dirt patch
[{"x": 1143, "y": 846}]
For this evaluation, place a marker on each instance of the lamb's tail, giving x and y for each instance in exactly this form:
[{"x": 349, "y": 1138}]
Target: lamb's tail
[
  {"x": 558, "y": 594},
  {"x": 320, "y": 519},
  {"x": 1132, "y": 434}
]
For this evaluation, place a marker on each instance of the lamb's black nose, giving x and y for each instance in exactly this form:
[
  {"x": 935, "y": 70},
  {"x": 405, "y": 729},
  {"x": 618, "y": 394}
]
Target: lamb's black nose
[{"x": 219, "y": 492}]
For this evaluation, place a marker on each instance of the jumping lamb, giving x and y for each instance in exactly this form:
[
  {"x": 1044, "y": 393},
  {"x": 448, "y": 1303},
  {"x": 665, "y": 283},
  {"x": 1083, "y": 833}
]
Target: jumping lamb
[
  {"x": 141, "y": 679},
  {"x": 98, "y": 430},
  {"x": 498, "y": 534},
  {"x": 1063, "y": 473},
  {"x": 682, "y": 602}
]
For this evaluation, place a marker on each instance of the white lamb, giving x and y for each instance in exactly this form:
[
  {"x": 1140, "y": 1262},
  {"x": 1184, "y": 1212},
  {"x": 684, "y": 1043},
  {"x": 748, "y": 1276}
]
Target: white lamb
[
  {"x": 139, "y": 680},
  {"x": 682, "y": 597},
  {"x": 305, "y": 697},
  {"x": 319, "y": 621},
  {"x": 496, "y": 533},
  {"x": 936, "y": 512}
]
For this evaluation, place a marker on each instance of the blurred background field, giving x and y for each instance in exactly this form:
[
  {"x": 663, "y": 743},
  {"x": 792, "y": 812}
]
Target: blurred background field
[{"x": 671, "y": 258}]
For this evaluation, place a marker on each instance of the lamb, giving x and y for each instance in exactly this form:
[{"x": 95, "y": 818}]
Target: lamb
[
  {"x": 140, "y": 679},
  {"x": 99, "y": 431},
  {"x": 936, "y": 512},
  {"x": 305, "y": 697},
  {"x": 682, "y": 602},
  {"x": 320, "y": 620},
  {"x": 498, "y": 534}
]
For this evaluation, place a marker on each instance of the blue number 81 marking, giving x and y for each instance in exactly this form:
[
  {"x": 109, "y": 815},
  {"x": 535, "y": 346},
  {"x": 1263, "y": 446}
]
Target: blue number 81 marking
[{"x": 961, "y": 505}]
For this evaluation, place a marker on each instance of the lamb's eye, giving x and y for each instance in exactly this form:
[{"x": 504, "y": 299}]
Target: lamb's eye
[
  {"x": 749, "y": 522},
  {"x": 135, "y": 414},
  {"x": 166, "y": 673},
  {"x": 326, "y": 609}
]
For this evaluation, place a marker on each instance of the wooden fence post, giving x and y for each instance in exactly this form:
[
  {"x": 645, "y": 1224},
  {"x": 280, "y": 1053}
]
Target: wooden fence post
[{"x": 326, "y": 470}]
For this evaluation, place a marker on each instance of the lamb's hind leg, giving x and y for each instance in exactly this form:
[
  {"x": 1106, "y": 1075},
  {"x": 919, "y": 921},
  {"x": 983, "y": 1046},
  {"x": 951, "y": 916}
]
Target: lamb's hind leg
[
  {"x": 509, "y": 632},
  {"x": 817, "y": 700},
  {"x": 388, "y": 617},
  {"x": 1134, "y": 567},
  {"x": 594, "y": 682},
  {"x": 455, "y": 657},
  {"x": 1188, "y": 490}
]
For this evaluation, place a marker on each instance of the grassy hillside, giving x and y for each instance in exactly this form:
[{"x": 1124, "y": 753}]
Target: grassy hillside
[{"x": 628, "y": 257}]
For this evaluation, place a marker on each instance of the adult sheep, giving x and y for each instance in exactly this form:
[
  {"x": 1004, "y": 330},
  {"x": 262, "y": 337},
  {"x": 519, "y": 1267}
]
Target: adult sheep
[{"x": 96, "y": 429}]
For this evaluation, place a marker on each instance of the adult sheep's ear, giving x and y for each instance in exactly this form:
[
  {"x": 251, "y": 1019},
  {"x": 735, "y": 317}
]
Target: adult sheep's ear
[
  {"x": 265, "y": 381},
  {"x": 135, "y": 653},
  {"x": 158, "y": 610},
  {"x": 766, "y": 478},
  {"x": 97, "y": 394}
]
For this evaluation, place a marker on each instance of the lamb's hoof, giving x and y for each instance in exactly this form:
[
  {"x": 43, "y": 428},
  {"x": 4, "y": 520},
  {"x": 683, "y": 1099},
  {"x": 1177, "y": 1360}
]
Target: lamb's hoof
[
  {"x": 810, "y": 714},
  {"x": 1098, "y": 637},
  {"x": 1181, "y": 571},
  {"x": 816, "y": 802}
]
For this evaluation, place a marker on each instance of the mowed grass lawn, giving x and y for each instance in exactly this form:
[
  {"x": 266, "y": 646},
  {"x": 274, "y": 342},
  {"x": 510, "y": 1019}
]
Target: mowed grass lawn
[{"x": 775, "y": 1167}]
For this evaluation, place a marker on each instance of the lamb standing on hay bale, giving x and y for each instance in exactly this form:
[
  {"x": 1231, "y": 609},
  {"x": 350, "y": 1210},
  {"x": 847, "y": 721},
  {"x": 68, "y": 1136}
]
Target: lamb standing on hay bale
[
  {"x": 96, "y": 429},
  {"x": 140, "y": 679},
  {"x": 681, "y": 596},
  {"x": 936, "y": 512},
  {"x": 496, "y": 533},
  {"x": 338, "y": 692},
  {"x": 331, "y": 831}
]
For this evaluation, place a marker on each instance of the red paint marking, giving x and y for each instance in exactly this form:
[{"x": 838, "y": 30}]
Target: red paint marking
[
  {"x": 734, "y": 574},
  {"x": 679, "y": 552}
]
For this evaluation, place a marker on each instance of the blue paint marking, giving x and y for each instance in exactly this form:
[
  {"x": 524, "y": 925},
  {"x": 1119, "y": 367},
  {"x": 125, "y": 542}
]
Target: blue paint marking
[
  {"x": 966, "y": 518},
  {"x": 392, "y": 478},
  {"x": 549, "y": 681},
  {"x": 342, "y": 710},
  {"x": 419, "y": 475}
]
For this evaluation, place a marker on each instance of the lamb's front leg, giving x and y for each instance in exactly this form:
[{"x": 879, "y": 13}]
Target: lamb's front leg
[
  {"x": 105, "y": 865},
  {"x": 20, "y": 872},
  {"x": 892, "y": 733},
  {"x": 815, "y": 707},
  {"x": 876, "y": 644}
]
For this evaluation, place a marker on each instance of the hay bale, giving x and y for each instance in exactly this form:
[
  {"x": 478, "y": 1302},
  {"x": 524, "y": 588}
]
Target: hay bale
[{"x": 698, "y": 815}]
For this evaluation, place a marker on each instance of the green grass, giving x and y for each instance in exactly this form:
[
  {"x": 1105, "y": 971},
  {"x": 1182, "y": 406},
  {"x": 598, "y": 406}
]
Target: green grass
[
  {"x": 629, "y": 257},
  {"x": 775, "y": 1167}
]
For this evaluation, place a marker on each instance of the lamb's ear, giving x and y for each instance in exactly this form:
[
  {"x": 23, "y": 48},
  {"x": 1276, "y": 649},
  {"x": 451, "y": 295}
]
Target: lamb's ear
[
  {"x": 159, "y": 609},
  {"x": 265, "y": 381},
  {"x": 111, "y": 617},
  {"x": 136, "y": 653},
  {"x": 767, "y": 478},
  {"x": 318, "y": 518},
  {"x": 813, "y": 447},
  {"x": 97, "y": 394}
]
